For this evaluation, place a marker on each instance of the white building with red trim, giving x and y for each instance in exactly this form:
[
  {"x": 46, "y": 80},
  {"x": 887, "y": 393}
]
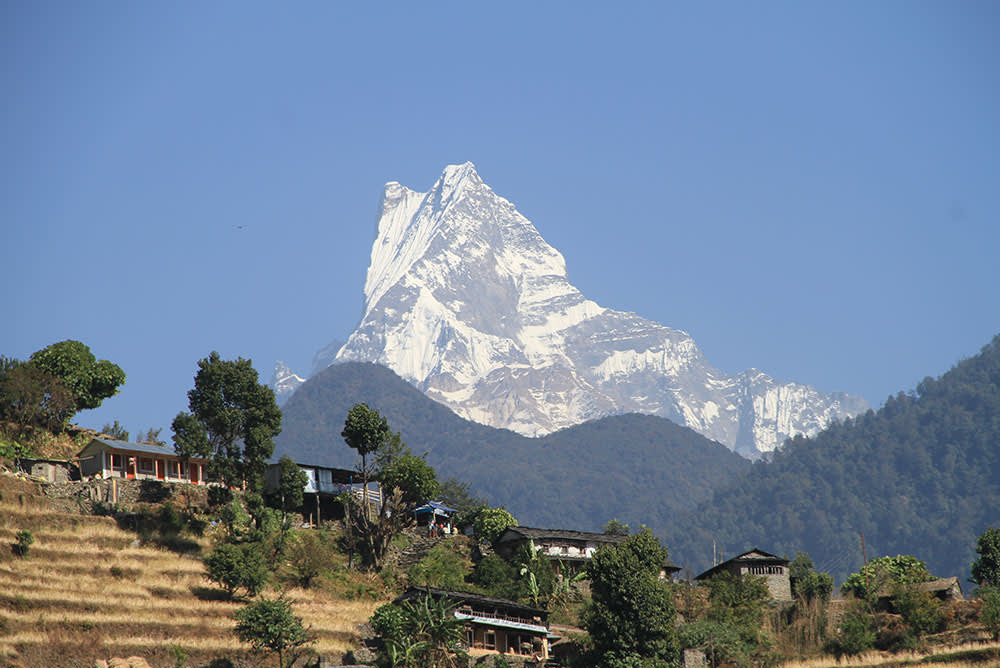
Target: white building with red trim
[{"x": 139, "y": 461}]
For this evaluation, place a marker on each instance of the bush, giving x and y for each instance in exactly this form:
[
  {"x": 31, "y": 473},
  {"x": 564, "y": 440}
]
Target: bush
[
  {"x": 270, "y": 625},
  {"x": 443, "y": 567},
  {"x": 922, "y": 612},
  {"x": 310, "y": 555},
  {"x": 990, "y": 616},
  {"x": 236, "y": 567},
  {"x": 856, "y": 634},
  {"x": 22, "y": 546}
]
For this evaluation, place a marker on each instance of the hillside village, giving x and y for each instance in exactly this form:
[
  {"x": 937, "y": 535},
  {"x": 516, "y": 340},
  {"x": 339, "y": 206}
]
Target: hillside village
[{"x": 125, "y": 562}]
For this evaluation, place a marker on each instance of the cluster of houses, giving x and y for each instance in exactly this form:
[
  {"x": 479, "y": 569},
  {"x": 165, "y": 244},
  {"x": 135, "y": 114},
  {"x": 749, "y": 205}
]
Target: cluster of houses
[{"x": 493, "y": 625}]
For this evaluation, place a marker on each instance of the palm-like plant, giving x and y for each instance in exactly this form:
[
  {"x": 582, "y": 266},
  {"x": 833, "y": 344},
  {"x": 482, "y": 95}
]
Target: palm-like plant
[{"x": 431, "y": 635}]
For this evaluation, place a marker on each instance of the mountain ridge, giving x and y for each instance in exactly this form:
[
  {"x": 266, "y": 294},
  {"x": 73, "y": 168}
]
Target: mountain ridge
[
  {"x": 465, "y": 300},
  {"x": 665, "y": 467}
]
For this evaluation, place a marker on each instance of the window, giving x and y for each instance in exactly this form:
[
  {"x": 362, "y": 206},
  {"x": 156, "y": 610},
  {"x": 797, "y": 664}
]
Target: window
[
  {"x": 490, "y": 640},
  {"x": 172, "y": 470},
  {"x": 117, "y": 462},
  {"x": 146, "y": 465}
]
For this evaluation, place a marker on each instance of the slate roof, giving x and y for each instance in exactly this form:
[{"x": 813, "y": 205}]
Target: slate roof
[
  {"x": 748, "y": 556},
  {"x": 490, "y": 601},
  {"x": 562, "y": 534}
]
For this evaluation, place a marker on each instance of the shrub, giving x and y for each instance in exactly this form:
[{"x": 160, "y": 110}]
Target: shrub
[
  {"x": 310, "y": 555},
  {"x": 856, "y": 634},
  {"x": 22, "y": 546},
  {"x": 922, "y": 612},
  {"x": 443, "y": 567},
  {"x": 236, "y": 567},
  {"x": 990, "y": 616},
  {"x": 270, "y": 625}
]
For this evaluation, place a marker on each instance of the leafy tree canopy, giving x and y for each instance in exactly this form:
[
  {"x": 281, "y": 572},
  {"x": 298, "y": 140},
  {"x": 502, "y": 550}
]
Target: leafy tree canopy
[
  {"x": 807, "y": 584},
  {"x": 270, "y": 625},
  {"x": 631, "y": 618},
  {"x": 91, "y": 381},
  {"x": 885, "y": 572},
  {"x": 288, "y": 497},
  {"x": 366, "y": 431},
  {"x": 986, "y": 568},
  {"x": 33, "y": 397},
  {"x": 491, "y": 522},
  {"x": 233, "y": 420},
  {"x": 616, "y": 528},
  {"x": 414, "y": 477}
]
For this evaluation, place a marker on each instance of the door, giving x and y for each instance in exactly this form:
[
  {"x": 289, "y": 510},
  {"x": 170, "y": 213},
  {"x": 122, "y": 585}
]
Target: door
[
  {"x": 130, "y": 468},
  {"x": 195, "y": 471},
  {"x": 160, "y": 472}
]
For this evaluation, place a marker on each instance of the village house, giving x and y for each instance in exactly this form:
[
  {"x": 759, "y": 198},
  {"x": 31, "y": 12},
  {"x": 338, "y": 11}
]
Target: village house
[
  {"x": 563, "y": 546},
  {"x": 139, "y": 461},
  {"x": 436, "y": 513},
  {"x": 947, "y": 590},
  {"x": 772, "y": 568},
  {"x": 495, "y": 625},
  {"x": 325, "y": 483}
]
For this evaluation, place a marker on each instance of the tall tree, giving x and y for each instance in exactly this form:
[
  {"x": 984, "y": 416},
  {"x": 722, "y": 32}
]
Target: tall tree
[
  {"x": 32, "y": 397},
  {"x": 631, "y": 619},
  {"x": 233, "y": 420},
  {"x": 90, "y": 380},
  {"x": 986, "y": 568},
  {"x": 414, "y": 476},
  {"x": 366, "y": 431}
]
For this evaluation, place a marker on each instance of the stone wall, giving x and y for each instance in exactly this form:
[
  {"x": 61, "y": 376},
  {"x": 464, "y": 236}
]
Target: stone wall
[{"x": 84, "y": 496}]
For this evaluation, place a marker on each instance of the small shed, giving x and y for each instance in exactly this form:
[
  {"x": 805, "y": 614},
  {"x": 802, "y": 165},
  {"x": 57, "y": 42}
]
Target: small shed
[
  {"x": 51, "y": 470},
  {"x": 434, "y": 512}
]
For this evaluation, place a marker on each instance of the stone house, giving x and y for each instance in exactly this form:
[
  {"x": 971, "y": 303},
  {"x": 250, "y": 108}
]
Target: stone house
[
  {"x": 772, "y": 568},
  {"x": 139, "y": 461},
  {"x": 495, "y": 625}
]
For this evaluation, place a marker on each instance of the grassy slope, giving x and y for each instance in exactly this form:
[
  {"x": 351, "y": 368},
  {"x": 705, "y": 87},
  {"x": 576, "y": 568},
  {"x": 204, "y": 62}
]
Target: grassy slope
[{"x": 88, "y": 591}]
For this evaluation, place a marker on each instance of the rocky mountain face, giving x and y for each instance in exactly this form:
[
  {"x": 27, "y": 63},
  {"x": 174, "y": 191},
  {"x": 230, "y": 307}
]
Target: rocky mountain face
[
  {"x": 466, "y": 301},
  {"x": 284, "y": 381}
]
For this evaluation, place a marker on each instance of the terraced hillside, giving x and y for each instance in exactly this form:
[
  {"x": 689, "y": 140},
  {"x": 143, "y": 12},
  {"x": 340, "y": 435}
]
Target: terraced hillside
[{"x": 88, "y": 590}]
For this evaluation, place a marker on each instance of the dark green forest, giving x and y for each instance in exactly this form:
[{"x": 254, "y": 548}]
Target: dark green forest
[
  {"x": 920, "y": 476},
  {"x": 639, "y": 469}
]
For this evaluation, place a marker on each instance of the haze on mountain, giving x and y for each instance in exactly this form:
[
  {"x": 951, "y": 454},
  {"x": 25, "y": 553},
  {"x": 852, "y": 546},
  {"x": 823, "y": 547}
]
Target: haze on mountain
[{"x": 464, "y": 299}]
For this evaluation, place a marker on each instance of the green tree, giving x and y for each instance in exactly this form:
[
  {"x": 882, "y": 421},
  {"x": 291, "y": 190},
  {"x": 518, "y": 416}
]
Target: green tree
[
  {"x": 921, "y": 611},
  {"x": 883, "y": 572},
  {"x": 238, "y": 566},
  {"x": 90, "y": 380},
  {"x": 807, "y": 584},
  {"x": 990, "y": 616},
  {"x": 856, "y": 633},
  {"x": 33, "y": 397},
  {"x": 116, "y": 431},
  {"x": 233, "y": 420},
  {"x": 616, "y": 528},
  {"x": 420, "y": 633},
  {"x": 414, "y": 477},
  {"x": 269, "y": 625},
  {"x": 491, "y": 522},
  {"x": 289, "y": 495},
  {"x": 986, "y": 567},
  {"x": 366, "y": 431},
  {"x": 738, "y": 600},
  {"x": 631, "y": 617}
]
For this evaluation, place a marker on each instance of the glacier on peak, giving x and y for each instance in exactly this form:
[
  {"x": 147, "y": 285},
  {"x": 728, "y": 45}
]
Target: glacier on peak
[{"x": 465, "y": 299}]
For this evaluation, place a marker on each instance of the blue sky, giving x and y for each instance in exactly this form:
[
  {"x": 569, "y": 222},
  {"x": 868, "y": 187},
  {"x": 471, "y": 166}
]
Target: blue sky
[{"x": 809, "y": 188}]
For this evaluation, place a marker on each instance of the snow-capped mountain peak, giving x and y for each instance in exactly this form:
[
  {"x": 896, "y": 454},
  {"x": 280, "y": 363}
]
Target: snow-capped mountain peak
[{"x": 466, "y": 300}]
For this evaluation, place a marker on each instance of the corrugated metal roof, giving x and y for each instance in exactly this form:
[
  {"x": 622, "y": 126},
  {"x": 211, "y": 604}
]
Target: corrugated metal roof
[{"x": 133, "y": 447}]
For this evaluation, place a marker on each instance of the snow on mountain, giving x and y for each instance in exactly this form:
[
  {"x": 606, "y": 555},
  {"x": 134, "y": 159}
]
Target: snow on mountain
[
  {"x": 284, "y": 381},
  {"x": 464, "y": 299}
]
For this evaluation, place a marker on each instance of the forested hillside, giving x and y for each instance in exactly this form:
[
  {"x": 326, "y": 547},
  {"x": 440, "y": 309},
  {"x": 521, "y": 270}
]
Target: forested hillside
[
  {"x": 921, "y": 476},
  {"x": 639, "y": 469}
]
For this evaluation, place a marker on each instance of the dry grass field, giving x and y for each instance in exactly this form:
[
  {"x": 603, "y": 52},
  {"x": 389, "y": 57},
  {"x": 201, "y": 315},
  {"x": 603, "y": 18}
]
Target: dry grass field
[
  {"x": 969, "y": 655},
  {"x": 88, "y": 590}
]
